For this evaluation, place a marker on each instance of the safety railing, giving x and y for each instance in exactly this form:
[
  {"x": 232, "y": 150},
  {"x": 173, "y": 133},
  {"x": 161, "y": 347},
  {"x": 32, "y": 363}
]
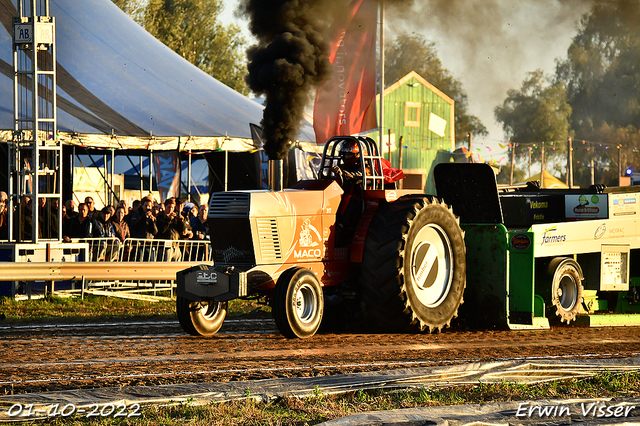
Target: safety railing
[{"x": 133, "y": 250}]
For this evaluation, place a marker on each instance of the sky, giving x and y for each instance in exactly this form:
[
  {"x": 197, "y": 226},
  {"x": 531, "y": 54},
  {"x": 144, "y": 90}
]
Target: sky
[{"x": 489, "y": 45}]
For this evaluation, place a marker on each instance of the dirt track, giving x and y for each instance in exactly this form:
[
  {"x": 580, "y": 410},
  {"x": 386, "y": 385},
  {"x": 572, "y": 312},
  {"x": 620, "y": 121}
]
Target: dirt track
[{"x": 39, "y": 357}]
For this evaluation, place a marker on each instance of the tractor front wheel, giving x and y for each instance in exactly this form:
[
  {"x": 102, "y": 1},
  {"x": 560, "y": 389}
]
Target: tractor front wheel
[
  {"x": 298, "y": 304},
  {"x": 200, "y": 318}
]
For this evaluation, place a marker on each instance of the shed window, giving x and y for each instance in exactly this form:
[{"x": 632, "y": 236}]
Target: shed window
[{"x": 412, "y": 114}]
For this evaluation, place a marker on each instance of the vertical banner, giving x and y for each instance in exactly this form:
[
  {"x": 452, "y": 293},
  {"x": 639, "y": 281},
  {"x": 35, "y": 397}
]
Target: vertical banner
[
  {"x": 167, "y": 168},
  {"x": 346, "y": 102}
]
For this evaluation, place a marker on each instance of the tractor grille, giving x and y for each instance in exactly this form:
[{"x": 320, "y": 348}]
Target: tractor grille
[
  {"x": 229, "y": 204},
  {"x": 269, "y": 239}
]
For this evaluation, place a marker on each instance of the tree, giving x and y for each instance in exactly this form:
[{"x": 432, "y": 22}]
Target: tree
[
  {"x": 602, "y": 78},
  {"x": 191, "y": 29},
  {"x": 412, "y": 52},
  {"x": 538, "y": 112}
]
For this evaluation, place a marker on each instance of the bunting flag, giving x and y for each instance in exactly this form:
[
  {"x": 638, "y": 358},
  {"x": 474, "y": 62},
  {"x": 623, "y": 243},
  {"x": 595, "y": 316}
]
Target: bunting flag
[{"x": 346, "y": 102}]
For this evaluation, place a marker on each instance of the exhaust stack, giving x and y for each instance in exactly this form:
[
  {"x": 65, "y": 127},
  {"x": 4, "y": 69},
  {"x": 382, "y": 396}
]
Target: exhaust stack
[{"x": 275, "y": 175}]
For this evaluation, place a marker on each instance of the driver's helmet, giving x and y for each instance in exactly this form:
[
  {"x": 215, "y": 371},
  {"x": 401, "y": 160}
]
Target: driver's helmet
[{"x": 349, "y": 151}]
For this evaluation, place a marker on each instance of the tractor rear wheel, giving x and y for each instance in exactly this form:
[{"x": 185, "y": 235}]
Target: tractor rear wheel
[
  {"x": 298, "y": 304},
  {"x": 566, "y": 289},
  {"x": 414, "y": 267},
  {"x": 200, "y": 318}
]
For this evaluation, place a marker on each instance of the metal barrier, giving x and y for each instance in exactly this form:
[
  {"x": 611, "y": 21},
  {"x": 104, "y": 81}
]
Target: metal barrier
[
  {"x": 144, "y": 252},
  {"x": 101, "y": 249}
]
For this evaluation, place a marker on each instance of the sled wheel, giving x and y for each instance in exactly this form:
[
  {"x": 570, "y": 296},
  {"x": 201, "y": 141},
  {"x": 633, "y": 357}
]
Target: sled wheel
[
  {"x": 298, "y": 303},
  {"x": 414, "y": 266},
  {"x": 200, "y": 318},
  {"x": 566, "y": 288}
]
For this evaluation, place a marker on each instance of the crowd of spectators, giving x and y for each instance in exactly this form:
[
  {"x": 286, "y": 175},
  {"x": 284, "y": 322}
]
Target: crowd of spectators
[{"x": 145, "y": 219}]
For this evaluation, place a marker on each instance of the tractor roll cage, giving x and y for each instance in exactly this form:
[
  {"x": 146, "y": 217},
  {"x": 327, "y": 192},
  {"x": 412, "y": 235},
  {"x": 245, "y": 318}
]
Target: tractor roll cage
[{"x": 370, "y": 162}]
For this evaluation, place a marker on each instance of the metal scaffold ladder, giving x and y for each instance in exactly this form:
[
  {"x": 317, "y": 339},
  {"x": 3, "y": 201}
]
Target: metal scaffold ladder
[{"x": 35, "y": 151}]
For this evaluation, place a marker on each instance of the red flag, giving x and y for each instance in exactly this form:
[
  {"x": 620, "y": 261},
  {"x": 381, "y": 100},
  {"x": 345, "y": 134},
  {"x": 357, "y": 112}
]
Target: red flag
[
  {"x": 346, "y": 102},
  {"x": 391, "y": 174}
]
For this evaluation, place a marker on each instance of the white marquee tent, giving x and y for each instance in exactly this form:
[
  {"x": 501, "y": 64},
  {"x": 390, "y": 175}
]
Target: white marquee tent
[{"x": 114, "y": 78}]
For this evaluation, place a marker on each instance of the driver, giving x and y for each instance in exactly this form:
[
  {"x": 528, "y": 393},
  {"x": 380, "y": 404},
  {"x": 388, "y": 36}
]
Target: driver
[{"x": 349, "y": 170}]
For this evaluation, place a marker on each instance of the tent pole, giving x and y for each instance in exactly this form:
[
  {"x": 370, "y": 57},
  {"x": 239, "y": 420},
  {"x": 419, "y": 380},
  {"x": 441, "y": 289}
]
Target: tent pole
[
  {"x": 107, "y": 193},
  {"x": 189, "y": 173},
  {"x": 542, "y": 165},
  {"x": 151, "y": 173},
  {"x": 513, "y": 156},
  {"x": 112, "y": 170},
  {"x": 141, "y": 179},
  {"x": 226, "y": 170}
]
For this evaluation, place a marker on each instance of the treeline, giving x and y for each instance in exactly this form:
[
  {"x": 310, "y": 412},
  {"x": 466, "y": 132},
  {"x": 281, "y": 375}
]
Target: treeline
[
  {"x": 593, "y": 98},
  {"x": 191, "y": 28}
]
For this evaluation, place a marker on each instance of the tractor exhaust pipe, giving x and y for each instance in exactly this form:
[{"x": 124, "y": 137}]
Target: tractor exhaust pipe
[{"x": 275, "y": 175}]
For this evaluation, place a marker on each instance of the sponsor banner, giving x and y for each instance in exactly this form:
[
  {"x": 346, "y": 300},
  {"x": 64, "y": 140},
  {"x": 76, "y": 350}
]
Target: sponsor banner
[
  {"x": 166, "y": 165},
  {"x": 624, "y": 204},
  {"x": 584, "y": 236},
  {"x": 586, "y": 206},
  {"x": 345, "y": 103}
]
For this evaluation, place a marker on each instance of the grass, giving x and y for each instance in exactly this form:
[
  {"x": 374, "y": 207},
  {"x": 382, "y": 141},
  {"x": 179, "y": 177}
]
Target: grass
[
  {"x": 320, "y": 408},
  {"x": 99, "y": 307}
]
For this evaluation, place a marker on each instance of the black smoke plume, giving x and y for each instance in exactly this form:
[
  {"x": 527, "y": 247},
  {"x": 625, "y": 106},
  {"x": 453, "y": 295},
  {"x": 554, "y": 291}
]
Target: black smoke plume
[{"x": 289, "y": 60}]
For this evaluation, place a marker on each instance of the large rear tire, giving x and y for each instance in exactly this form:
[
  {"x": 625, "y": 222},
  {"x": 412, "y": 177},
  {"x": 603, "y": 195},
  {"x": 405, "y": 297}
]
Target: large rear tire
[
  {"x": 566, "y": 289},
  {"x": 298, "y": 304},
  {"x": 200, "y": 318},
  {"x": 414, "y": 266}
]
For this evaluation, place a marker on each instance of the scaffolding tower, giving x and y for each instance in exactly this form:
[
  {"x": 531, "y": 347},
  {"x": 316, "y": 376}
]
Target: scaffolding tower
[{"x": 35, "y": 151}]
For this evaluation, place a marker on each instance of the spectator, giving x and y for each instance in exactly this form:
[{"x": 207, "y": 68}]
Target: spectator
[
  {"x": 81, "y": 226},
  {"x": 170, "y": 226},
  {"x": 23, "y": 220},
  {"x": 143, "y": 223},
  {"x": 184, "y": 228},
  {"x": 189, "y": 211},
  {"x": 91, "y": 205},
  {"x": 120, "y": 227},
  {"x": 70, "y": 210},
  {"x": 48, "y": 219},
  {"x": 106, "y": 228},
  {"x": 167, "y": 221},
  {"x": 143, "y": 226},
  {"x": 134, "y": 207},
  {"x": 199, "y": 224}
]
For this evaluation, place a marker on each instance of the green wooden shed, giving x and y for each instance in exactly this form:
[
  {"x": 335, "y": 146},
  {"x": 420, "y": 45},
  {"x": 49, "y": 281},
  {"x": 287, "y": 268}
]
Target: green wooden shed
[{"x": 420, "y": 116}]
